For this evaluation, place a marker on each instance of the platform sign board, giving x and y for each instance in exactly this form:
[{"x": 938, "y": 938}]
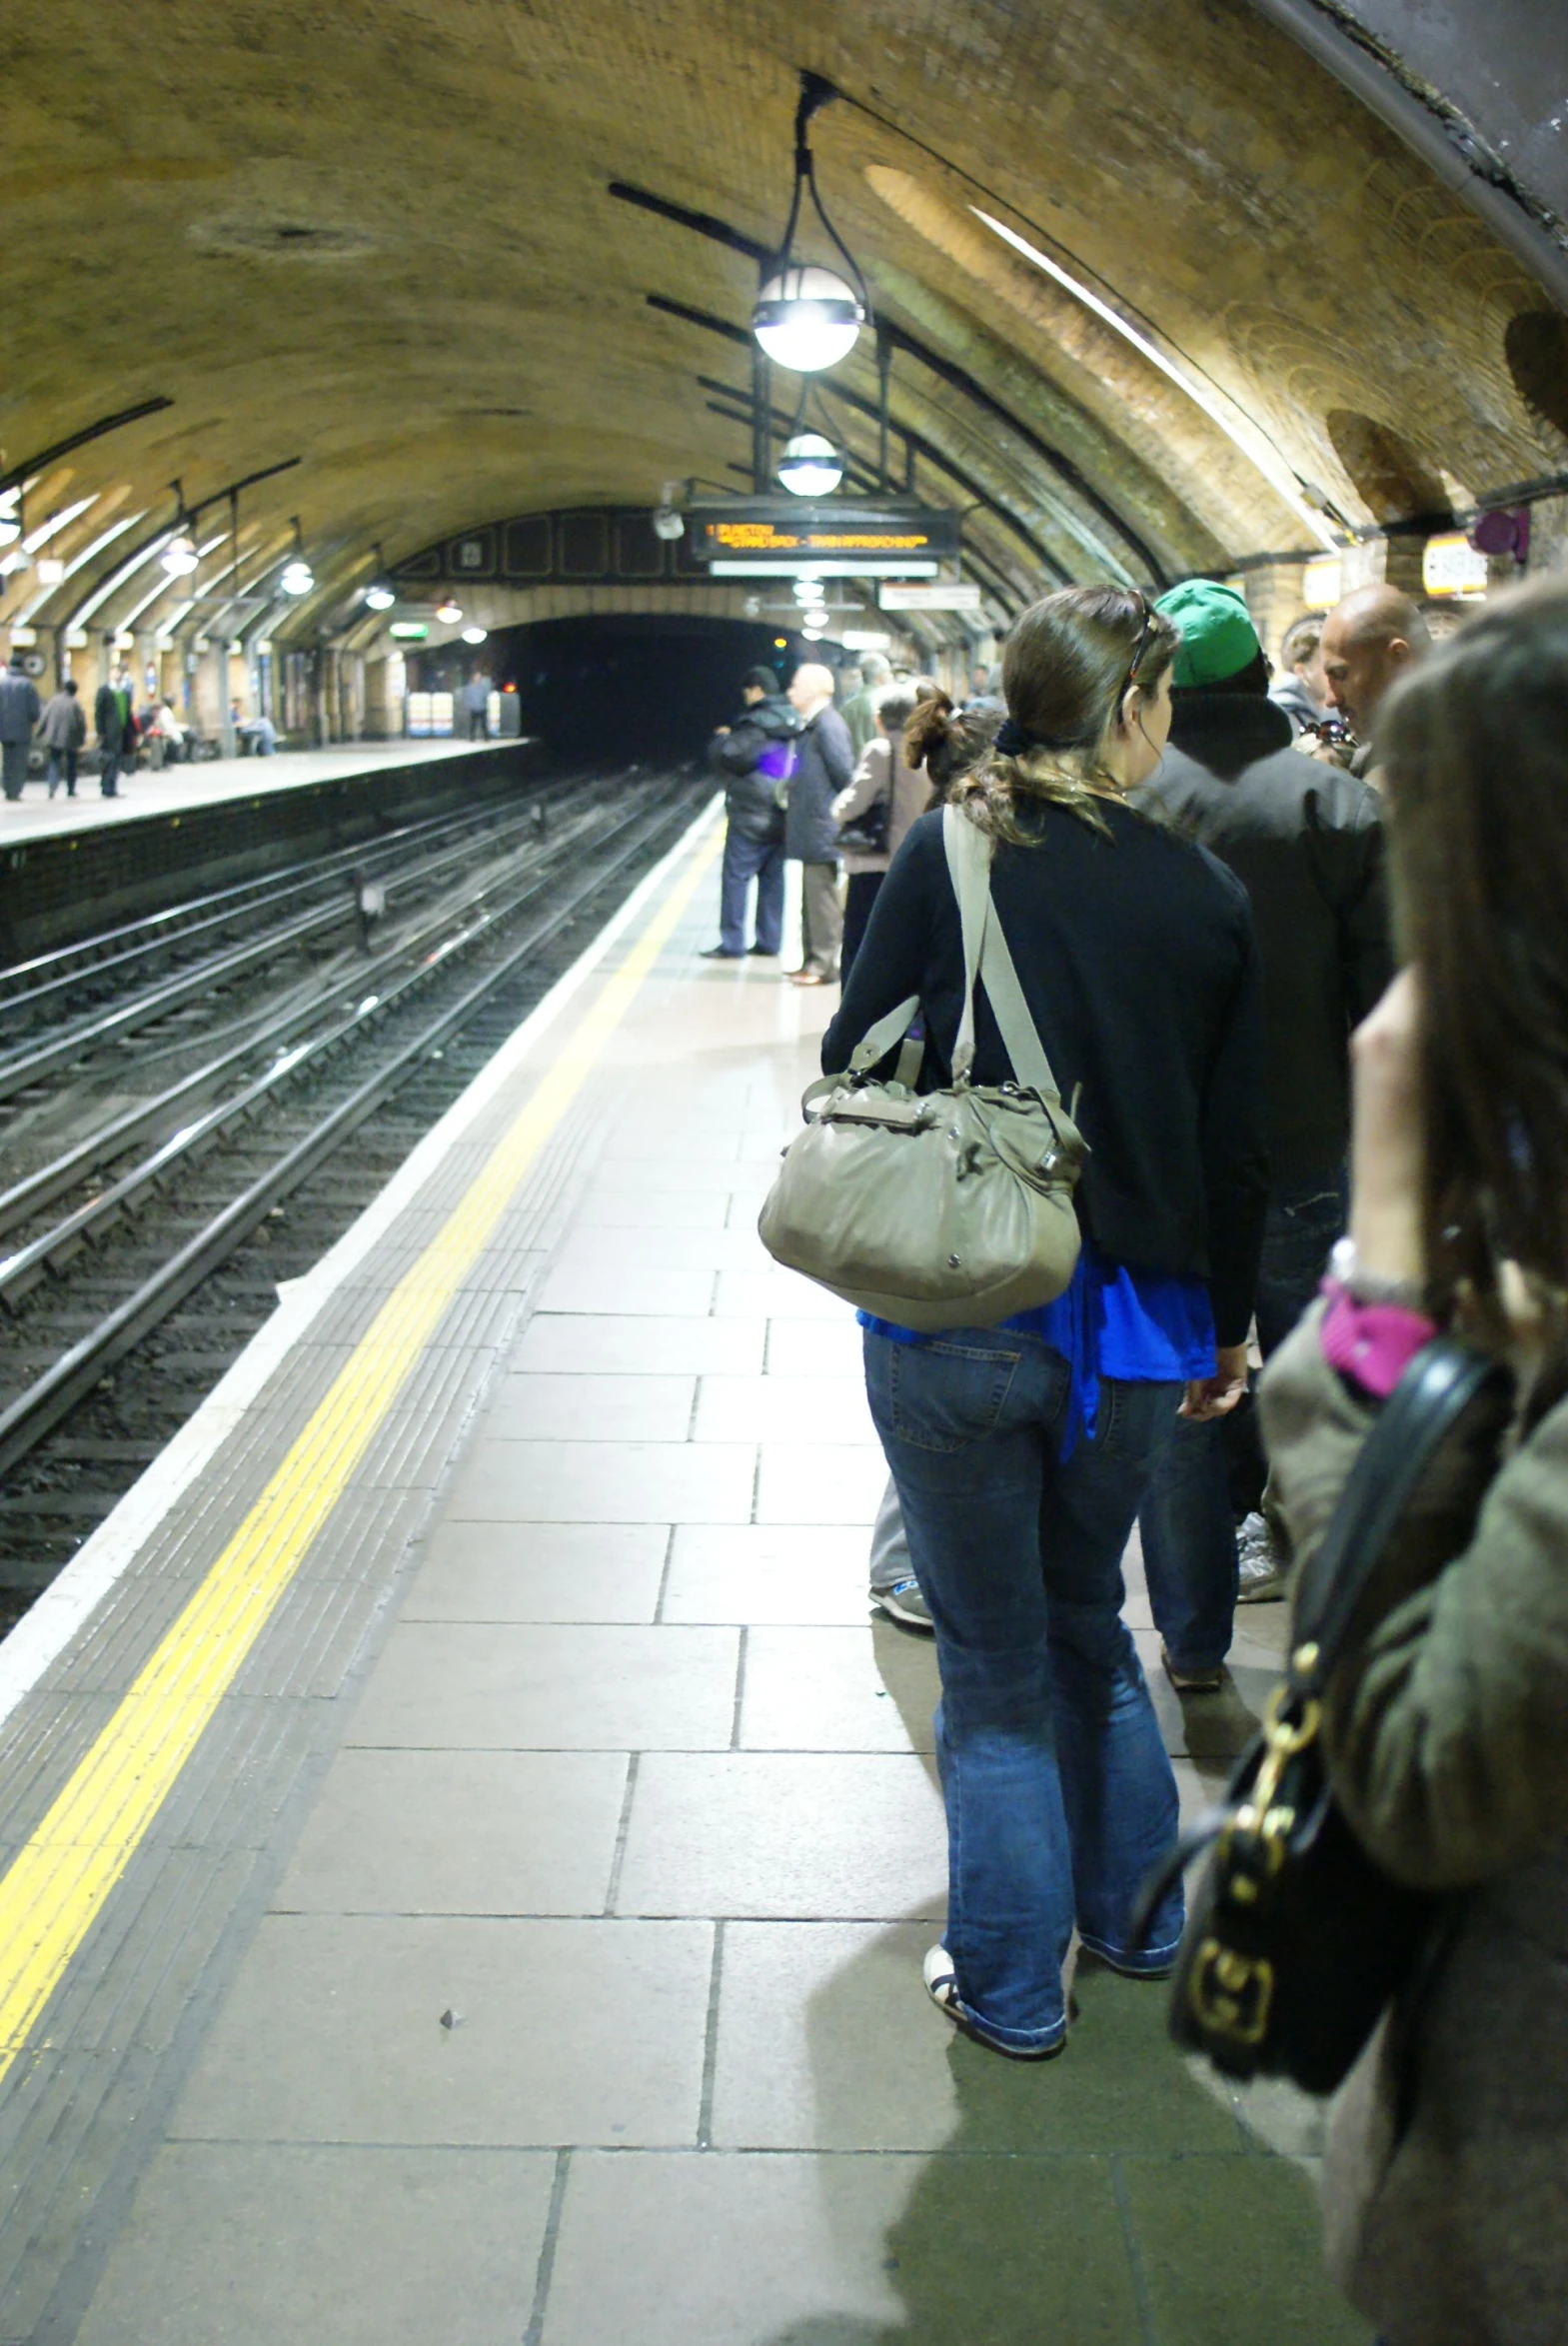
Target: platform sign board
[
  {"x": 772, "y": 536},
  {"x": 935, "y": 595},
  {"x": 1450, "y": 564}
]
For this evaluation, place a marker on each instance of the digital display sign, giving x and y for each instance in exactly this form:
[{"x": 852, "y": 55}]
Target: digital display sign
[{"x": 849, "y": 539}]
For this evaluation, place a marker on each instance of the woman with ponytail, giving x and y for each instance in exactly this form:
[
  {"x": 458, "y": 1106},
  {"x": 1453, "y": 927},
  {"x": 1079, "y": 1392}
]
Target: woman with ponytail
[{"x": 1022, "y": 1452}]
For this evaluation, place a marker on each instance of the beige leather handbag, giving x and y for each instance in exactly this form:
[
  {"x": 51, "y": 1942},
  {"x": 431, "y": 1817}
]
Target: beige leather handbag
[{"x": 945, "y": 1208}]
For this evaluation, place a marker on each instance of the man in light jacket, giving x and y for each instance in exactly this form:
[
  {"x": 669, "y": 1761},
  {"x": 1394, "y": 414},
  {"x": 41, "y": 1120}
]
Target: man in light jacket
[
  {"x": 20, "y": 709},
  {"x": 825, "y": 766}
]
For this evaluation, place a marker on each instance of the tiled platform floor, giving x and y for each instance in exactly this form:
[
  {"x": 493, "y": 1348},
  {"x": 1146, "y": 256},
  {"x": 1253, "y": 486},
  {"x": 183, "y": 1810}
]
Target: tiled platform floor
[{"x": 587, "y": 2012}]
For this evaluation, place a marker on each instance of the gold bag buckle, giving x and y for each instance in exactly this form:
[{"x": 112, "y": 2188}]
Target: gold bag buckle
[{"x": 1232, "y": 1993}]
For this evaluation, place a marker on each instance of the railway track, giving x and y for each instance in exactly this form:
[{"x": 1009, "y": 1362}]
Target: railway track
[{"x": 145, "y": 1252}]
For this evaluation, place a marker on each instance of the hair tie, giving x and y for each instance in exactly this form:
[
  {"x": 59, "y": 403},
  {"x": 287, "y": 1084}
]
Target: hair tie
[{"x": 1011, "y": 740}]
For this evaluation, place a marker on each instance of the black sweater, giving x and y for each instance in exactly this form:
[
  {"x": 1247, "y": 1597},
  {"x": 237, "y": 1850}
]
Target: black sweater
[
  {"x": 1306, "y": 841},
  {"x": 1136, "y": 957}
]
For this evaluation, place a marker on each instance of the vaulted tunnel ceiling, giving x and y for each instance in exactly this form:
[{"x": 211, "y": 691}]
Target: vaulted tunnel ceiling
[{"x": 379, "y": 239}]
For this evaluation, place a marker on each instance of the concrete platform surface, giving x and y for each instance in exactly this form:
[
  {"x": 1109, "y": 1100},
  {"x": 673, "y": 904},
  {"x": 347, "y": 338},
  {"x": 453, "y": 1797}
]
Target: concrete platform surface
[
  {"x": 176, "y": 790},
  {"x": 583, "y": 2006}
]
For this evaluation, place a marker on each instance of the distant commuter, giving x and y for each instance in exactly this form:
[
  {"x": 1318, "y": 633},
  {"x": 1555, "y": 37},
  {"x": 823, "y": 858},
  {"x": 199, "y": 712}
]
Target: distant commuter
[
  {"x": 1445, "y": 2184},
  {"x": 825, "y": 767},
  {"x": 1301, "y": 689},
  {"x": 20, "y": 710},
  {"x": 888, "y": 792},
  {"x": 1370, "y": 639},
  {"x": 859, "y": 710},
  {"x": 1306, "y": 843},
  {"x": 64, "y": 731},
  {"x": 756, "y": 759},
  {"x": 476, "y": 706},
  {"x": 115, "y": 725},
  {"x": 1022, "y": 1452}
]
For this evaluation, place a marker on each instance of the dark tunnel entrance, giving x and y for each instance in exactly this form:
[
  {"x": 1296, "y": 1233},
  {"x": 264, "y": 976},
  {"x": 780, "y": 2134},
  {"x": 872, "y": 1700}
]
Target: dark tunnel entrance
[{"x": 643, "y": 688}]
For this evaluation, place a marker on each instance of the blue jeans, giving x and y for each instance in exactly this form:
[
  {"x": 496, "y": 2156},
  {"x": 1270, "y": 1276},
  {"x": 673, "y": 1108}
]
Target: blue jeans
[
  {"x": 1188, "y": 1519},
  {"x": 1058, "y": 1790},
  {"x": 746, "y": 859}
]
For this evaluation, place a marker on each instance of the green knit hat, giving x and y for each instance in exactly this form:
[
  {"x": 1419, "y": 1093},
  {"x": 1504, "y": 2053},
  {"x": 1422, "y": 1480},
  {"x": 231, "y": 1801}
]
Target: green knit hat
[{"x": 1217, "y": 636}]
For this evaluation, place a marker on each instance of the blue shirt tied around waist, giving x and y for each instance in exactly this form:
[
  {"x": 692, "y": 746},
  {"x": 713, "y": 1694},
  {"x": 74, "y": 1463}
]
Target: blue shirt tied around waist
[{"x": 1137, "y": 1327}]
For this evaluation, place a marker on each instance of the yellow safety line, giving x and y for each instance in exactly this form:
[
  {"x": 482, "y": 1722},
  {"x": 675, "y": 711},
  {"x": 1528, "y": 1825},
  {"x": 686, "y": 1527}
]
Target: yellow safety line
[{"x": 60, "y": 1879}]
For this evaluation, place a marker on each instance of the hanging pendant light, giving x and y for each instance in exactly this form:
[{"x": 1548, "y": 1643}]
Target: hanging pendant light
[
  {"x": 807, "y": 317},
  {"x": 298, "y": 578},
  {"x": 10, "y": 517},
  {"x": 811, "y": 464},
  {"x": 380, "y": 595}
]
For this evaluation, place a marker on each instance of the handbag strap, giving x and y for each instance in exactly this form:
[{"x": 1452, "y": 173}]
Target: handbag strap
[
  {"x": 986, "y": 954},
  {"x": 1435, "y": 1393}
]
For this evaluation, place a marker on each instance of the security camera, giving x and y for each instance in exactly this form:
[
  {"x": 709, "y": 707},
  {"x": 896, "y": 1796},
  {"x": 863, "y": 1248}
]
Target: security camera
[{"x": 668, "y": 523}]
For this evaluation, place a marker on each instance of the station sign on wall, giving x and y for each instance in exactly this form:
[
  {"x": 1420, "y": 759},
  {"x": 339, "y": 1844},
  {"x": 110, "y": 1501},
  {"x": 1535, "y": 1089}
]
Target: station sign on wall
[
  {"x": 1450, "y": 564},
  {"x": 771, "y": 537},
  {"x": 938, "y": 595}
]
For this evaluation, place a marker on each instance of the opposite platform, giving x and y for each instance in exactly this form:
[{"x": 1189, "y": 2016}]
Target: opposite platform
[
  {"x": 180, "y": 790},
  {"x": 471, "y": 1854}
]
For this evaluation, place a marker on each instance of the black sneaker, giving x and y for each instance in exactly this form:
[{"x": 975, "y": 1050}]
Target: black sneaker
[
  {"x": 768, "y": 953},
  {"x": 718, "y": 953}
]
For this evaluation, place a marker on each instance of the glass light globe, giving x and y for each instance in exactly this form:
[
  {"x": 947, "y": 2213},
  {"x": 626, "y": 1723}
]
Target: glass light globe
[
  {"x": 298, "y": 579},
  {"x": 475, "y": 635},
  {"x": 10, "y": 519},
  {"x": 811, "y": 466},
  {"x": 379, "y": 598},
  {"x": 449, "y": 614},
  {"x": 807, "y": 319},
  {"x": 179, "y": 557}
]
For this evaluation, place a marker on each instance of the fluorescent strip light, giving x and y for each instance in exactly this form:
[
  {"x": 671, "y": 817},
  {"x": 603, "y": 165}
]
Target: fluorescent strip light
[
  {"x": 115, "y": 530},
  {"x": 1251, "y": 442},
  {"x": 811, "y": 566}
]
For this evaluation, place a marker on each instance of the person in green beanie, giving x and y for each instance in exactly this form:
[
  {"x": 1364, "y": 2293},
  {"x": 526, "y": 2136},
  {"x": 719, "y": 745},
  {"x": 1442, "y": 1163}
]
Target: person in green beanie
[{"x": 1306, "y": 839}]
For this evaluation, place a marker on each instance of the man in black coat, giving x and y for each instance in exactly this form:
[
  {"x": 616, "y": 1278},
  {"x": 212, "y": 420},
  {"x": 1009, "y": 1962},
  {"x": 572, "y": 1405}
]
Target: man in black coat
[
  {"x": 1306, "y": 841},
  {"x": 825, "y": 767},
  {"x": 755, "y": 756},
  {"x": 20, "y": 709},
  {"x": 115, "y": 725}
]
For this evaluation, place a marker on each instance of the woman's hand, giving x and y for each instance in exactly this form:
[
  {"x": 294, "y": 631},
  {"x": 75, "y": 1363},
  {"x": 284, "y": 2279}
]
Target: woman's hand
[
  {"x": 1387, "y": 1148},
  {"x": 1217, "y": 1395}
]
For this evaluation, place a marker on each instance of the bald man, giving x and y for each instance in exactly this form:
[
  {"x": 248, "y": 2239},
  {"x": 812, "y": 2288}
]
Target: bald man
[
  {"x": 1369, "y": 640},
  {"x": 825, "y": 767}
]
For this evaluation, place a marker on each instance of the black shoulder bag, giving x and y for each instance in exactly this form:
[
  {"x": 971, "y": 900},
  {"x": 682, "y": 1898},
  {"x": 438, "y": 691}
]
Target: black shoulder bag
[{"x": 1297, "y": 1941}]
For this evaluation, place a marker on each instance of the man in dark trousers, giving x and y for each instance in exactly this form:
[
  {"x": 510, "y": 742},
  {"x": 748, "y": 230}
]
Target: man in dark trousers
[
  {"x": 65, "y": 729},
  {"x": 755, "y": 756},
  {"x": 20, "y": 710},
  {"x": 1306, "y": 841},
  {"x": 115, "y": 725},
  {"x": 825, "y": 767}
]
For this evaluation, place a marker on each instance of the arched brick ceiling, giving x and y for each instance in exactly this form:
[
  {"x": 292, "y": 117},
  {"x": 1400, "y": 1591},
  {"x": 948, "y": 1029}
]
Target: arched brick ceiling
[{"x": 379, "y": 239}]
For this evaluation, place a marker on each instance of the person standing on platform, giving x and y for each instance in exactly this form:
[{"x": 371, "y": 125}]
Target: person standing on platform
[
  {"x": 1308, "y": 845},
  {"x": 20, "y": 710},
  {"x": 115, "y": 723},
  {"x": 886, "y": 785},
  {"x": 64, "y": 731},
  {"x": 1370, "y": 639},
  {"x": 756, "y": 757},
  {"x": 1021, "y": 1452},
  {"x": 1301, "y": 691},
  {"x": 859, "y": 710},
  {"x": 476, "y": 706},
  {"x": 825, "y": 767}
]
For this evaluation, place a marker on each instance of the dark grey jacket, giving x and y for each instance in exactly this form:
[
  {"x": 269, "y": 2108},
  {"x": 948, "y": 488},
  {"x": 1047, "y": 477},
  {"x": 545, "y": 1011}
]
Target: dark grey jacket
[
  {"x": 1306, "y": 841},
  {"x": 825, "y": 766},
  {"x": 752, "y": 800},
  {"x": 20, "y": 706}
]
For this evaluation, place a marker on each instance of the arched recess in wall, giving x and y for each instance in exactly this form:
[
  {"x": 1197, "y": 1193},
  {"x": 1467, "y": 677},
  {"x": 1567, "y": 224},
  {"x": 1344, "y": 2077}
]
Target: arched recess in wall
[
  {"x": 1392, "y": 479},
  {"x": 1536, "y": 349}
]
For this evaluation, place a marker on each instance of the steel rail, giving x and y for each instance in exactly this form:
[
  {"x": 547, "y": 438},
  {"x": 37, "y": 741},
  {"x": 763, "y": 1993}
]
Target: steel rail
[
  {"x": 37, "y": 1411},
  {"x": 40, "y": 1189},
  {"x": 75, "y": 1037},
  {"x": 20, "y": 1271},
  {"x": 92, "y": 956}
]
